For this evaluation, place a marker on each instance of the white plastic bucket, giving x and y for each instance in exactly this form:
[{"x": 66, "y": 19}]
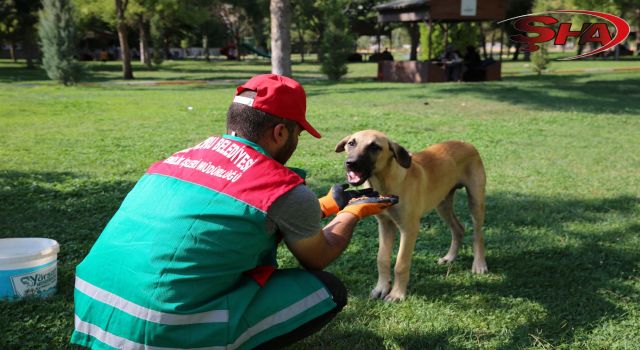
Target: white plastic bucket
[{"x": 28, "y": 267}]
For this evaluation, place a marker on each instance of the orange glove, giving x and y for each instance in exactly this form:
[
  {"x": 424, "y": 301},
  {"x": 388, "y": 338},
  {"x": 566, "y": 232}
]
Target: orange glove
[
  {"x": 338, "y": 198},
  {"x": 366, "y": 206}
]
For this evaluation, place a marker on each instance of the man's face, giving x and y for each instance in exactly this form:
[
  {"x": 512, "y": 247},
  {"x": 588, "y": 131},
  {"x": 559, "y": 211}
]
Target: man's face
[{"x": 285, "y": 152}]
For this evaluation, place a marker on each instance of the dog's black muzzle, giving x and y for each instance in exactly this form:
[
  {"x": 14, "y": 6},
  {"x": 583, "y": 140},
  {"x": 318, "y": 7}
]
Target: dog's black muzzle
[{"x": 358, "y": 170}]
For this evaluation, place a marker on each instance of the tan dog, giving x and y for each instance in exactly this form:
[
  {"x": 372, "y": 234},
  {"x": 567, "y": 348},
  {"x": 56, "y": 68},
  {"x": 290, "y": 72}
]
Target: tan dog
[{"x": 423, "y": 181}]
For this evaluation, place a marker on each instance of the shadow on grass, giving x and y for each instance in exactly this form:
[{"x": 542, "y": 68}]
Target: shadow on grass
[
  {"x": 70, "y": 208},
  {"x": 545, "y": 250},
  {"x": 18, "y": 72},
  {"x": 110, "y": 72},
  {"x": 580, "y": 93}
]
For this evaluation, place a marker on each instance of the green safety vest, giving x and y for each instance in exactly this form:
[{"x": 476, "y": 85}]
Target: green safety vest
[{"x": 187, "y": 262}]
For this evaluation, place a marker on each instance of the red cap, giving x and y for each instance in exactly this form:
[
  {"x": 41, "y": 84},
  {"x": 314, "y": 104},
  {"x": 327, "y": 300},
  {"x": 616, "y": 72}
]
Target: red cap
[{"x": 279, "y": 96}]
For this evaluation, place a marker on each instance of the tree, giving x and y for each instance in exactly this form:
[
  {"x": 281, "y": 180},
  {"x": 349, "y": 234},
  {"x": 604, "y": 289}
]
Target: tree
[
  {"x": 308, "y": 24},
  {"x": 337, "y": 41},
  {"x": 280, "y": 37},
  {"x": 540, "y": 60},
  {"x": 19, "y": 18},
  {"x": 517, "y": 8},
  {"x": 121, "y": 26},
  {"x": 460, "y": 35},
  {"x": 623, "y": 8},
  {"x": 57, "y": 33},
  {"x": 256, "y": 10}
]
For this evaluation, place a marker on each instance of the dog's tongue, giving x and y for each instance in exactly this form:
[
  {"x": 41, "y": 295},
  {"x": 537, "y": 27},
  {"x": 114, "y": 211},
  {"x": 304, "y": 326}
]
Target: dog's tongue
[{"x": 353, "y": 177}]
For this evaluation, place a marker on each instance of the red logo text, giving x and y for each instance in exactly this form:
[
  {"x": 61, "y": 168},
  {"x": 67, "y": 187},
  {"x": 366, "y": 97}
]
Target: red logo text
[{"x": 589, "y": 33}]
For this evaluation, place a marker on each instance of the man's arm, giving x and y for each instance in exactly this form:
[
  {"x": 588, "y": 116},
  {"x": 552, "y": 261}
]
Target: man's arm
[
  {"x": 297, "y": 216},
  {"x": 318, "y": 251}
]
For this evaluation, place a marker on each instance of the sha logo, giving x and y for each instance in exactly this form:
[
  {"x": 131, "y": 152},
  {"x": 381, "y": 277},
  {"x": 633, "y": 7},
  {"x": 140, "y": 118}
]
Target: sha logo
[{"x": 590, "y": 33}]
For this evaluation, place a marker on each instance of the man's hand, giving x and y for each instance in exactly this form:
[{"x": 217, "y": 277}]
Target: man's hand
[
  {"x": 369, "y": 205},
  {"x": 318, "y": 251},
  {"x": 338, "y": 198}
]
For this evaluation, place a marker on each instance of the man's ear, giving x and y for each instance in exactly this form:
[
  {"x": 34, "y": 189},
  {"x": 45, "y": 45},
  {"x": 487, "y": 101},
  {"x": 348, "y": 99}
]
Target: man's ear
[
  {"x": 400, "y": 154},
  {"x": 280, "y": 133},
  {"x": 340, "y": 145}
]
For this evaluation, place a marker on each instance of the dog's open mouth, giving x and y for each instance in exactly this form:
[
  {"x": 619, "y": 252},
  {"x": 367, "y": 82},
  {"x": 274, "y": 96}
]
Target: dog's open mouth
[{"x": 355, "y": 178}]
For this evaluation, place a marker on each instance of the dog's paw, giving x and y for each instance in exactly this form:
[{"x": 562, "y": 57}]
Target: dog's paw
[
  {"x": 380, "y": 291},
  {"x": 449, "y": 258},
  {"x": 479, "y": 267},
  {"x": 395, "y": 295}
]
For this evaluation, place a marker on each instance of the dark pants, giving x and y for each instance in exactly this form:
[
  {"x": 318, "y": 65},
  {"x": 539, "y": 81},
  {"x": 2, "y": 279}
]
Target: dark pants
[{"x": 339, "y": 293}]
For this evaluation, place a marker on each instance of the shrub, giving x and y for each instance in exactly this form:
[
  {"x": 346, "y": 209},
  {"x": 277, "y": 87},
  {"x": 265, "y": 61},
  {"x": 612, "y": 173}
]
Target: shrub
[
  {"x": 540, "y": 60},
  {"x": 337, "y": 43},
  {"x": 57, "y": 32}
]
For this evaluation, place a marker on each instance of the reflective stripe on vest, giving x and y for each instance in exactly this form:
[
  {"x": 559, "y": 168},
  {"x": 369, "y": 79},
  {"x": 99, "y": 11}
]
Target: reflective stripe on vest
[
  {"x": 123, "y": 343},
  {"x": 279, "y": 317},
  {"x": 146, "y": 314}
]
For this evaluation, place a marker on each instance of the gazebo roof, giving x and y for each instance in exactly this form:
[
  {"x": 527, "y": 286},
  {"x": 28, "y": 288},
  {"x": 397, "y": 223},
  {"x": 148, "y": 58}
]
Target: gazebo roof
[
  {"x": 402, "y": 5},
  {"x": 441, "y": 10}
]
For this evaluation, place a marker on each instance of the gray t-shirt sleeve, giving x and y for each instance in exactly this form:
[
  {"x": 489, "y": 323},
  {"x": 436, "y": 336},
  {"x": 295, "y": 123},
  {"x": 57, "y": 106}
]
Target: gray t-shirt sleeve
[{"x": 296, "y": 214}]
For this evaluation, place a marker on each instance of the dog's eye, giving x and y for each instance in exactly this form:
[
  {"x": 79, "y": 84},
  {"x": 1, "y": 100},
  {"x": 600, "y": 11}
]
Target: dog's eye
[
  {"x": 351, "y": 143},
  {"x": 374, "y": 147}
]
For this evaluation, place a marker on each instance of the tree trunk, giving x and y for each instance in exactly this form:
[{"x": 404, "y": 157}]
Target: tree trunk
[
  {"x": 121, "y": 26},
  {"x": 12, "y": 51},
  {"x": 29, "y": 47},
  {"x": 445, "y": 27},
  {"x": 205, "y": 47},
  {"x": 483, "y": 41},
  {"x": 414, "y": 33},
  {"x": 637, "y": 48},
  {"x": 301, "y": 35},
  {"x": 517, "y": 52},
  {"x": 280, "y": 37},
  {"x": 430, "y": 38},
  {"x": 143, "y": 27},
  {"x": 166, "y": 40},
  {"x": 493, "y": 41}
]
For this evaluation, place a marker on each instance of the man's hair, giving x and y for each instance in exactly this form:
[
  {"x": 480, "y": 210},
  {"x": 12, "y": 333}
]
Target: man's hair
[{"x": 251, "y": 123}]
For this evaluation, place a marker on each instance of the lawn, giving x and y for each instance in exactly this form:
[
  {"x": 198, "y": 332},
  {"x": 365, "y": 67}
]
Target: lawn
[{"x": 561, "y": 153}]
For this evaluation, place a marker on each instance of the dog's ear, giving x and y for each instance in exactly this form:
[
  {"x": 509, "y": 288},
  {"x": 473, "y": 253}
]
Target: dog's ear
[
  {"x": 340, "y": 145},
  {"x": 400, "y": 154}
]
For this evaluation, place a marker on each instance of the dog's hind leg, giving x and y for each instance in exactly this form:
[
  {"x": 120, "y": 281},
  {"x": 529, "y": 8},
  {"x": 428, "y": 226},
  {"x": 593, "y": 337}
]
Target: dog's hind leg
[
  {"x": 445, "y": 210},
  {"x": 387, "y": 236},
  {"x": 476, "y": 200}
]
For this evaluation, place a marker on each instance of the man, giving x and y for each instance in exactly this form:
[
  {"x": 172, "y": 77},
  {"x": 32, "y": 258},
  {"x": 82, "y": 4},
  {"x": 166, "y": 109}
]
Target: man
[
  {"x": 452, "y": 63},
  {"x": 188, "y": 261}
]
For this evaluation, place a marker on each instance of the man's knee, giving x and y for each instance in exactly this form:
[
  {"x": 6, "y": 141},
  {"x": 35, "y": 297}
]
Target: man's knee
[{"x": 335, "y": 287}]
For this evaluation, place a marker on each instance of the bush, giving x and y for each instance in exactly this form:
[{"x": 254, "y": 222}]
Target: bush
[
  {"x": 337, "y": 43},
  {"x": 57, "y": 32},
  {"x": 336, "y": 48},
  {"x": 540, "y": 60}
]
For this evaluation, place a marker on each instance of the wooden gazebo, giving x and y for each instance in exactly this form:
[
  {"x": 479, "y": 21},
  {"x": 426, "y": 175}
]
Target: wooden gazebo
[{"x": 433, "y": 12}]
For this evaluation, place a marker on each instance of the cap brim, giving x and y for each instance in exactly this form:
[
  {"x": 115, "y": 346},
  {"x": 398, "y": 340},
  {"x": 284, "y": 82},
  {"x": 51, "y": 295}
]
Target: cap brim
[{"x": 305, "y": 125}]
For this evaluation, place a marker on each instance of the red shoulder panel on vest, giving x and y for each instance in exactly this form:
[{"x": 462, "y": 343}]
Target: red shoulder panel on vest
[{"x": 232, "y": 168}]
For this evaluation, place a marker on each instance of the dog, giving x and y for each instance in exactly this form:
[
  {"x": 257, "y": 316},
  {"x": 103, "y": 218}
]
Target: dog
[{"x": 423, "y": 181}]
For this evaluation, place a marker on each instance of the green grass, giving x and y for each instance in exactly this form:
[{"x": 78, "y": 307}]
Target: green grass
[{"x": 563, "y": 195}]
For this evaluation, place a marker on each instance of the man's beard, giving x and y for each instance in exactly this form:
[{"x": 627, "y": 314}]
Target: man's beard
[{"x": 286, "y": 151}]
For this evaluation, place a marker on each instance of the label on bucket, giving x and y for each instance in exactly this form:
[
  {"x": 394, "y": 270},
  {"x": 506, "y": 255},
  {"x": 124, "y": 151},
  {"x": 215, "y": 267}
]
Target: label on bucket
[{"x": 37, "y": 283}]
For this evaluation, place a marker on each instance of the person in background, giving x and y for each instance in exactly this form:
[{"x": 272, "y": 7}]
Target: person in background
[{"x": 452, "y": 63}]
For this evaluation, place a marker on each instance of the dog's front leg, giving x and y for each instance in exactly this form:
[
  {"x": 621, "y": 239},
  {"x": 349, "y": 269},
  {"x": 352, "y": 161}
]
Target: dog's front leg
[
  {"x": 386, "y": 238},
  {"x": 408, "y": 236}
]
